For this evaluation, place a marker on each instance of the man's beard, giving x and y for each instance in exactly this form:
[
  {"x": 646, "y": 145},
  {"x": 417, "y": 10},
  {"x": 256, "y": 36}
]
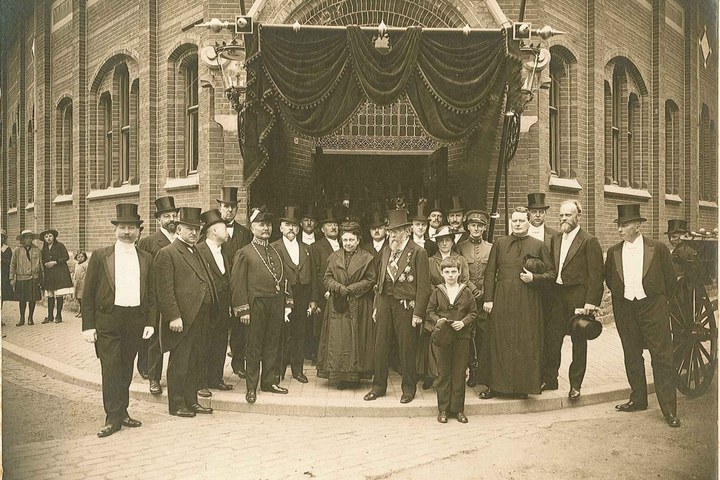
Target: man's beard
[
  {"x": 566, "y": 227},
  {"x": 170, "y": 227}
]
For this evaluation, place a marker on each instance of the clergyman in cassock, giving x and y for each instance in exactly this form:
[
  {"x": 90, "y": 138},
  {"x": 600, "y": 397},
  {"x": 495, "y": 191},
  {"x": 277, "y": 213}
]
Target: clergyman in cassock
[
  {"x": 218, "y": 266},
  {"x": 185, "y": 296},
  {"x": 641, "y": 278},
  {"x": 261, "y": 299},
  {"x": 513, "y": 300},
  {"x": 118, "y": 312}
]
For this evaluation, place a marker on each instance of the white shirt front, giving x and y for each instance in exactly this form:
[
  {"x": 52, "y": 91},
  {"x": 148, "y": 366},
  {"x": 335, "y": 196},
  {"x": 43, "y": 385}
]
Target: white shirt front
[
  {"x": 127, "y": 275},
  {"x": 632, "y": 258},
  {"x": 420, "y": 241},
  {"x": 308, "y": 238},
  {"x": 567, "y": 240},
  {"x": 293, "y": 249},
  {"x": 537, "y": 232},
  {"x": 452, "y": 292},
  {"x": 217, "y": 254},
  {"x": 231, "y": 230},
  {"x": 334, "y": 244},
  {"x": 378, "y": 245},
  {"x": 168, "y": 235}
]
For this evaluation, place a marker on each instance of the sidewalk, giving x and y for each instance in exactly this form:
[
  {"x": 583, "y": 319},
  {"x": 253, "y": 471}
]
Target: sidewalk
[{"x": 59, "y": 351}]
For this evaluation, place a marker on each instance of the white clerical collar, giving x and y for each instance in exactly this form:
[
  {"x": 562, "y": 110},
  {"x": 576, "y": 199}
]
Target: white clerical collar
[{"x": 123, "y": 247}]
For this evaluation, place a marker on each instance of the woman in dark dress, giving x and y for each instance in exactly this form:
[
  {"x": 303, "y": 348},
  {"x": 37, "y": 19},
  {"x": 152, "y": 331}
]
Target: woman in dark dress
[
  {"x": 6, "y": 252},
  {"x": 57, "y": 280},
  {"x": 513, "y": 298},
  {"x": 345, "y": 352}
]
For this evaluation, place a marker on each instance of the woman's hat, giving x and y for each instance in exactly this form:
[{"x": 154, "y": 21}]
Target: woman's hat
[
  {"x": 26, "y": 233},
  {"x": 49, "y": 230},
  {"x": 676, "y": 226},
  {"x": 536, "y": 201},
  {"x": 443, "y": 231},
  {"x": 421, "y": 211},
  {"x": 189, "y": 216},
  {"x": 629, "y": 213},
  {"x": 228, "y": 195},
  {"x": 397, "y": 219},
  {"x": 290, "y": 215},
  {"x": 585, "y": 326},
  {"x": 210, "y": 218},
  {"x": 126, "y": 213},
  {"x": 163, "y": 205}
]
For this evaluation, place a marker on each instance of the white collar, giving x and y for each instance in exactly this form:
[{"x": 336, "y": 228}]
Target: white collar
[
  {"x": 124, "y": 248},
  {"x": 533, "y": 228},
  {"x": 378, "y": 244},
  {"x": 635, "y": 244},
  {"x": 289, "y": 243},
  {"x": 213, "y": 244},
  {"x": 573, "y": 233}
]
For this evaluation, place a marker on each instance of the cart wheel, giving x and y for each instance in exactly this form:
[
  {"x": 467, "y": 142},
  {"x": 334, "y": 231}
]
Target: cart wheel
[{"x": 694, "y": 330}]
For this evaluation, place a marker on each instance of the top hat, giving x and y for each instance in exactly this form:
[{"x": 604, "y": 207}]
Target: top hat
[
  {"x": 421, "y": 213},
  {"x": 477, "y": 216},
  {"x": 260, "y": 215},
  {"x": 189, "y": 216},
  {"x": 436, "y": 206},
  {"x": 456, "y": 205},
  {"x": 628, "y": 213},
  {"x": 49, "y": 230},
  {"x": 585, "y": 326},
  {"x": 536, "y": 201},
  {"x": 26, "y": 232},
  {"x": 164, "y": 204},
  {"x": 290, "y": 215},
  {"x": 676, "y": 226},
  {"x": 211, "y": 217},
  {"x": 397, "y": 219},
  {"x": 329, "y": 217},
  {"x": 126, "y": 213},
  {"x": 443, "y": 231},
  {"x": 309, "y": 212},
  {"x": 229, "y": 195},
  {"x": 377, "y": 219}
]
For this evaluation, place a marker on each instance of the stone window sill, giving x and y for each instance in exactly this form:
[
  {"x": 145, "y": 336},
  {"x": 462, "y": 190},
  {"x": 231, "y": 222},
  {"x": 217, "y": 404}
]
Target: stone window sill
[
  {"x": 672, "y": 198},
  {"x": 191, "y": 181},
  {"x": 627, "y": 192},
  {"x": 63, "y": 199},
  {"x": 125, "y": 190},
  {"x": 706, "y": 204},
  {"x": 12, "y": 210},
  {"x": 30, "y": 206},
  {"x": 571, "y": 184}
]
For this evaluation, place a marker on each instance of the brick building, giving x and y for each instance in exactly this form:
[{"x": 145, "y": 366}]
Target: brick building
[{"x": 116, "y": 101}]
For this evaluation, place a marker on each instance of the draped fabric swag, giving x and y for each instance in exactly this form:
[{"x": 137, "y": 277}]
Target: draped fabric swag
[{"x": 316, "y": 79}]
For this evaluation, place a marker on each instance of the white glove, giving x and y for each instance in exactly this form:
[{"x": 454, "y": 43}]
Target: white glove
[
  {"x": 148, "y": 332},
  {"x": 287, "y": 314},
  {"x": 89, "y": 335}
]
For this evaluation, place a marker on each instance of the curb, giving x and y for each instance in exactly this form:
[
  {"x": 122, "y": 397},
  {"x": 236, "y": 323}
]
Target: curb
[{"x": 296, "y": 406}]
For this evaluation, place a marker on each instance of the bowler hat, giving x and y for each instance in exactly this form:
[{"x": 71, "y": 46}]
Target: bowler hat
[
  {"x": 477, "y": 216},
  {"x": 228, "y": 195},
  {"x": 189, "y": 216},
  {"x": 211, "y": 217},
  {"x": 49, "y": 230},
  {"x": 260, "y": 214},
  {"x": 534, "y": 264},
  {"x": 676, "y": 226},
  {"x": 290, "y": 215},
  {"x": 629, "y": 213},
  {"x": 377, "y": 219},
  {"x": 443, "y": 231},
  {"x": 126, "y": 213},
  {"x": 585, "y": 326},
  {"x": 163, "y": 205},
  {"x": 456, "y": 205},
  {"x": 397, "y": 219},
  {"x": 536, "y": 201},
  {"x": 329, "y": 217},
  {"x": 421, "y": 213}
]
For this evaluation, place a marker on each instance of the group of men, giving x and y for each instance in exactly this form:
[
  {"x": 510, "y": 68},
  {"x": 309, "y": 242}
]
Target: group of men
[{"x": 203, "y": 276}]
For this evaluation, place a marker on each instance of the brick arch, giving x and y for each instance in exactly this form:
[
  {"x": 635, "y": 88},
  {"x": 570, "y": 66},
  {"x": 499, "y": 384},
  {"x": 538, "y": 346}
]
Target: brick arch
[
  {"x": 564, "y": 52},
  {"x": 630, "y": 67},
  {"x": 63, "y": 98},
  {"x": 183, "y": 47},
  {"x": 130, "y": 57}
]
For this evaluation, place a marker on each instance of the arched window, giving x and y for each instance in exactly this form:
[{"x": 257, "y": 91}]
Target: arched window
[
  {"x": 106, "y": 141},
  {"x": 183, "y": 150},
  {"x": 64, "y": 147},
  {"x": 707, "y": 157},
  {"x": 673, "y": 164},
  {"x": 13, "y": 160},
  {"x": 30, "y": 164},
  {"x": 190, "y": 72},
  {"x": 562, "y": 113},
  {"x": 122, "y": 79}
]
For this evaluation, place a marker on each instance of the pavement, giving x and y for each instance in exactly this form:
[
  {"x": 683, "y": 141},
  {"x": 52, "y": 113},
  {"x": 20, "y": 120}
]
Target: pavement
[{"x": 59, "y": 351}]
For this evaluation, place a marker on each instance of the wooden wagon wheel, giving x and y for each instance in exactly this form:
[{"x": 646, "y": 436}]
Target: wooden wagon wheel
[{"x": 694, "y": 330}]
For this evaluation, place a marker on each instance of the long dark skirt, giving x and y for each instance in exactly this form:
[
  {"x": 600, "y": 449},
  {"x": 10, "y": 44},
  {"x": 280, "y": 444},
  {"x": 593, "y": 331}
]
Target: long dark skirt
[{"x": 27, "y": 291}]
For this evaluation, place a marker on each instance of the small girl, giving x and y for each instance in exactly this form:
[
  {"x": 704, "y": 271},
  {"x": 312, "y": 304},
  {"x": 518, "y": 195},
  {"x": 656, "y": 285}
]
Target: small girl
[
  {"x": 79, "y": 278},
  {"x": 450, "y": 312}
]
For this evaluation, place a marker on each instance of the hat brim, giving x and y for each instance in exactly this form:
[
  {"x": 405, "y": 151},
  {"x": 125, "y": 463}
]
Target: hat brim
[
  {"x": 290, "y": 220},
  {"x": 44, "y": 232},
  {"x": 214, "y": 222},
  {"x": 629, "y": 219},
  {"x": 116, "y": 222},
  {"x": 157, "y": 214},
  {"x": 537, "y": 207},
  {"x": 192, "y": 224},
  {"x": 220, "y": 200},
  {"x": 419, "y": 219},
  {"x": 400, "y": 225}
]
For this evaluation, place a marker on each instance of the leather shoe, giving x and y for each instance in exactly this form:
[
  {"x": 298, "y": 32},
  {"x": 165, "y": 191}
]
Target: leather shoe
[
  {"x": 461, "y": 417},
  {"x": 672, "y": 420},
  {"x": 108, "y": 430},
  {"x": 49, "y": 320},
  {"x": 427, "y": 384},
  {"x": 487, "y": 395},
  {"x": 183, "y": 412},
  {"x": 250, "y": 397},
  {"x": 300, "y": 377},
  {"x": 407, "y": 398},
  {"x": 630, "y": 407},
  {"x": 472, "y": 380},
  {"x": 370, "y": 396},
  {"x": 155, "y": 387},
  {"x": 442, "y": 417},
  {"x": 144, "y": 375},
  {"x": 197, "y": 408},
  {"x": 222, "y": 386},
  {"x": 21, "y": 323},
  {"x": 274, "y": 389},
  {"x": 30, "y": 321},
  {"x": 204, "y": 392},
  {"x": 548, "y": 386},
  {"x": 574, "y": 394},
  {"x": 241, "y": 373},
  {"x": 131, "y": 422}
]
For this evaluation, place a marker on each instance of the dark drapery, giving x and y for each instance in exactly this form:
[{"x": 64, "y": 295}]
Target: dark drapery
[{"x": 316, "y": 79}]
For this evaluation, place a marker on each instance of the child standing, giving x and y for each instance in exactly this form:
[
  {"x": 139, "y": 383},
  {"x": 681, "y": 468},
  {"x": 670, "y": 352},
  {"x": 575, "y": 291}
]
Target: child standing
[
  {"x": 79, "y": 278},
  {"x": 450, "y": 312}
]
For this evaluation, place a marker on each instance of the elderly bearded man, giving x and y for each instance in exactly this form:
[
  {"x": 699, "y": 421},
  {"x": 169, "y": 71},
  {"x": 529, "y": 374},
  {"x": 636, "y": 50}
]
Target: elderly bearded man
[
  {"x": 402, "y": 294},
  {"x": 119, "y": 311}
]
